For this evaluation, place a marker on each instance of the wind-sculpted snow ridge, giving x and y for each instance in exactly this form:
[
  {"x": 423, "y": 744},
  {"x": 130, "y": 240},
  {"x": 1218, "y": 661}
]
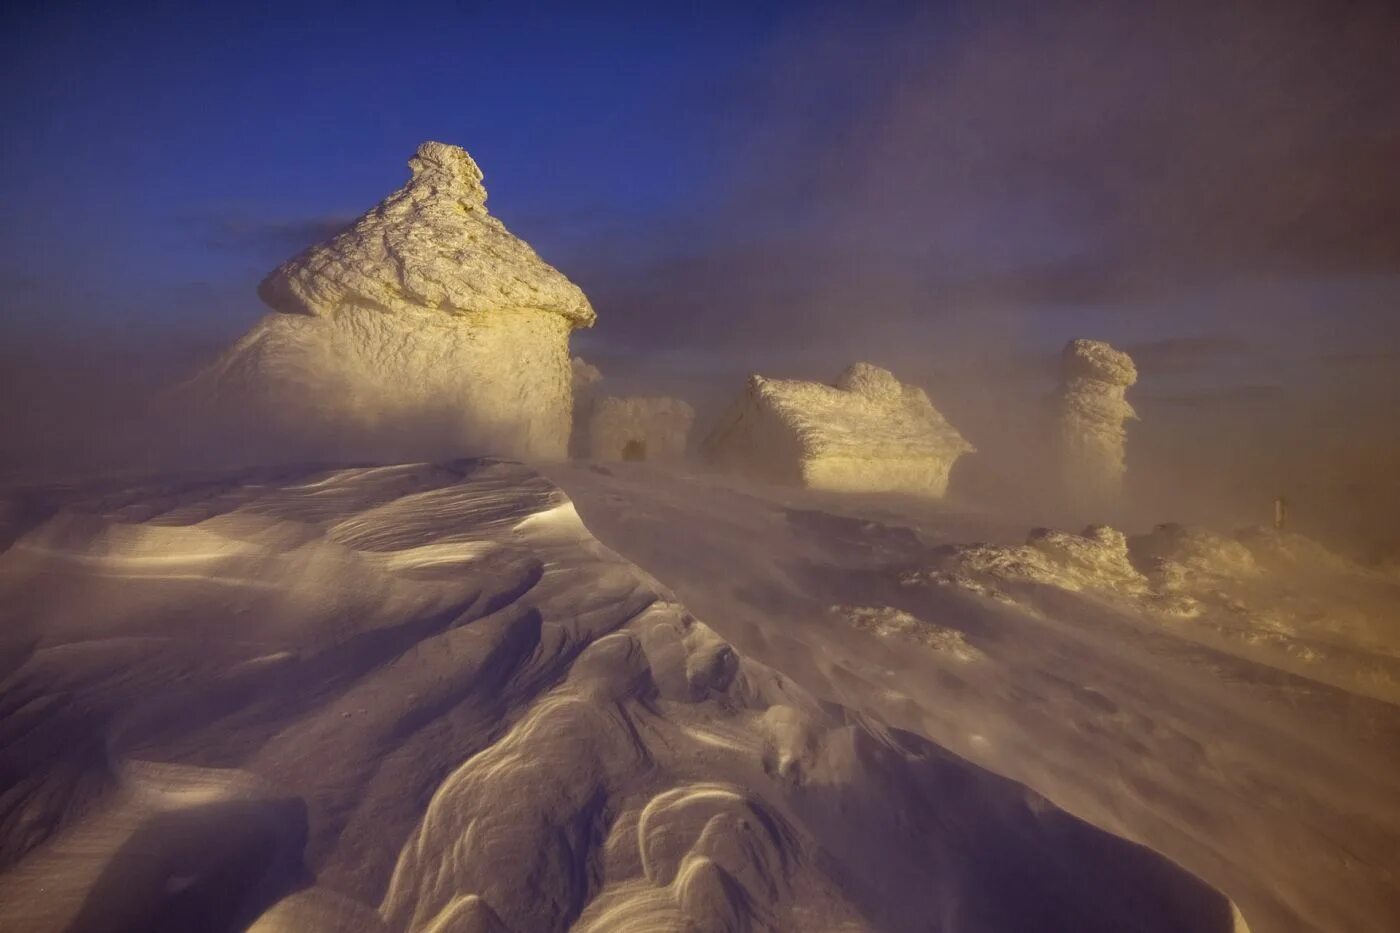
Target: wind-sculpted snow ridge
[
  {"x": 424, "y": 698},
  {"x": 1071, "y": 664},
  {"x": 1276, "y": 597}
]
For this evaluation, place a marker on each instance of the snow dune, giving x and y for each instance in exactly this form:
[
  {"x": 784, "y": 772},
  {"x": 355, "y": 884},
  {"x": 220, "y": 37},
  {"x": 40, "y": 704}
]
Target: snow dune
[
  {"x": 1229, "y": 701},
  {"x": 424, "y": 697}
]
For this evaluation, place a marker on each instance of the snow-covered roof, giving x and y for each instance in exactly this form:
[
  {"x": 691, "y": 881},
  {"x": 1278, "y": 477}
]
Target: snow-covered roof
[
  {"x": 868, "y": 413},
  {"x": 431, "y": 244}
]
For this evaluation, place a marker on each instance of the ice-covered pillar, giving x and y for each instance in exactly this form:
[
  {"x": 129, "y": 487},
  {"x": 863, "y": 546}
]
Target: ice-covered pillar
[{"x": 1091, "y": 414}]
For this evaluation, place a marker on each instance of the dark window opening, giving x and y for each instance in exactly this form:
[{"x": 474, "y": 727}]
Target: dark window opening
[{"x": 634, "y": 450}]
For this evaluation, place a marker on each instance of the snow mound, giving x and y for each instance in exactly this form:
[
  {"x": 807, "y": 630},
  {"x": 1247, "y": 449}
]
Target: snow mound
[
  {"x": 889, "y": 622},
  {"x": 1274, "y": 597},
  {"x": 1095, "y": 560},
  {"x": 424, "y": 697},
  {"x": 1274, "y": 778}
]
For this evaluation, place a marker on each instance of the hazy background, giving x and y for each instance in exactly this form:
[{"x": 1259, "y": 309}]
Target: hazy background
[{"x": 951, "y": 190}]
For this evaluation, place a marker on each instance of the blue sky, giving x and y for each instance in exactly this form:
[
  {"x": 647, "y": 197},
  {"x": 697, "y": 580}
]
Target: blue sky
[
  {"x": 733, "y": 183},
  {"x": 155, "y": 149}
]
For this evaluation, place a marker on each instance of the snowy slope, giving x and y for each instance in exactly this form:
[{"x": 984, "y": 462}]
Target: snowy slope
[
  {"x": 426, "y": 698},
  {"x": 1230, "y": 702}
]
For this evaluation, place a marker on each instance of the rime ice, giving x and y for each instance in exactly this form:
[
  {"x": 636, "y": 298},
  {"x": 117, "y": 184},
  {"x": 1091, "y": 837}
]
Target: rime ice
[
  {"x": 868, "y": 433},
  {"x": 1091, "y": 411},
  {"x": 424, "y": 329}
]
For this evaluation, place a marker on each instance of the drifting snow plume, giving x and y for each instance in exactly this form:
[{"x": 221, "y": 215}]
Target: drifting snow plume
[
  {"x": 1091, "y": 412},
  {"x": 425, "y": 329},
  {"x": 585, "y": 376},
  {"x": 868, "y": 432}
]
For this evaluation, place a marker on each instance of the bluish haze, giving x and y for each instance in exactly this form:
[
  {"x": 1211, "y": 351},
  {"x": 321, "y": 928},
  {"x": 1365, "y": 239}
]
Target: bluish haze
[{"x": 948, "y": 189}]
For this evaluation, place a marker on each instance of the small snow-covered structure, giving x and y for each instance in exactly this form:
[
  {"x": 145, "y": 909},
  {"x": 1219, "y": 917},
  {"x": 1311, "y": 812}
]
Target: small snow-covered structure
[
  {"x": 639, "y": 428},
  {"x": 585, "y": 376},
  {"x": 1091, "y": 409},
  {"x": 424, "y": 329},
  {"x": 585, "y": 380},
  {"x": 868, "y": 432}
]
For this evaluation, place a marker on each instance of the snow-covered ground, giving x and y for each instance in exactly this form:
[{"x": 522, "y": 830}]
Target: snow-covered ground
[
  {"x": 428, "y": 698},
  {"x": 1227, "y": 701}
]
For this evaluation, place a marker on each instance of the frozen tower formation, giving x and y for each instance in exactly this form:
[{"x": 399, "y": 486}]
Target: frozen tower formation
[
  {"x": 424, "y": 329},
  {"x": 1091, "y": 414}
]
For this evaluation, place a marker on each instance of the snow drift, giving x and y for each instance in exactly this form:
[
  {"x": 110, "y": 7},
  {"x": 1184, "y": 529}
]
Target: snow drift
[
  {"x": 425, "y": 698},
  {"x": 1227, "y": 700}
]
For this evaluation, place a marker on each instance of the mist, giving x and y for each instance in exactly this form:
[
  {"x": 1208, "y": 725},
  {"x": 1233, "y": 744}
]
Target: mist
[
  {"x": 796, "y": 465},
  {"x": 954, "y": 194},
  {"x": 950, "y": 192}
]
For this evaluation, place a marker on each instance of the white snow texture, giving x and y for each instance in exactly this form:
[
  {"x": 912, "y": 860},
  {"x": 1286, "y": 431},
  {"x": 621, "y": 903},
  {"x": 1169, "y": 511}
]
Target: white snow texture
[
  {"x": 868, "y": 432},
  {"x": 639, "y": 428},
  {"x": 1092, "y": 410},
  {"x": 425, "y": 329}
]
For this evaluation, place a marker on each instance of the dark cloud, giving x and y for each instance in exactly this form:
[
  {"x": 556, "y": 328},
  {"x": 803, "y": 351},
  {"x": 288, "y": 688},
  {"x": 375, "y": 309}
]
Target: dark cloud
[
  {"x": 877, "y": 174},
  {"x": 265, "y": 238},
  {"x": 1214, "y": 398},
  {"x": 1176, "y": 355}
]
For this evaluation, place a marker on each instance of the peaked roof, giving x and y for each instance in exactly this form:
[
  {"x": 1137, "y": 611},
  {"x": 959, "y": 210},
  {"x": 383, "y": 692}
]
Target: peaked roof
[
  {"x": 431, "y": 244},
  {"x": 867, "y": 413}
]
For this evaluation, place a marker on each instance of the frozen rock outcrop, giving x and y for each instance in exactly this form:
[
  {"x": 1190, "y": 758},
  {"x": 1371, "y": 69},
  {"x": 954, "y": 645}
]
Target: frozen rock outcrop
[
  {"x": 1090, "y": 416},
  {"x": 424, "y": 329},
  {"x": 639, "y": 428},
  {"x": 867, "y": 432}
]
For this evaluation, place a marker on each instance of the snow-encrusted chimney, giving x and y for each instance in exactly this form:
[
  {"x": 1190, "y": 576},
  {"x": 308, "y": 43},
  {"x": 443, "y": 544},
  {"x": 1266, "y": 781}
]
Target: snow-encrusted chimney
[{"x": 1091, "y": 413}]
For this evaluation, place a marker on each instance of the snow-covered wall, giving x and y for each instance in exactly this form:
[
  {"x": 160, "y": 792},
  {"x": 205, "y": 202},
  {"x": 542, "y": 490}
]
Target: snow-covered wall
[
  {"x": 1091, "y": 412},
  {"x": 362, "y": 384},
  {"x": 424, "y": 329},
  {"x": 639, "y": 428}
]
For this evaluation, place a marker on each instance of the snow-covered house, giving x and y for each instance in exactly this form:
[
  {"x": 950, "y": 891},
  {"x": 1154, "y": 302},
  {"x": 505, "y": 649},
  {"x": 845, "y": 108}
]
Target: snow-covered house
[
  {"x": 867, "y": 432},
  {"x": 424, "y": 329}
]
